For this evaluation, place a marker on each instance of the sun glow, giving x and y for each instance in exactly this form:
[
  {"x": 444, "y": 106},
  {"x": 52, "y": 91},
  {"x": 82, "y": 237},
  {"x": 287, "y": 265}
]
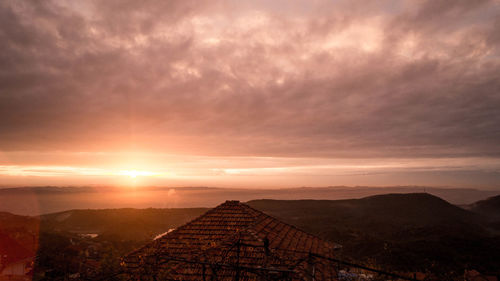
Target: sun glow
[{"x": 137, "y": 173}]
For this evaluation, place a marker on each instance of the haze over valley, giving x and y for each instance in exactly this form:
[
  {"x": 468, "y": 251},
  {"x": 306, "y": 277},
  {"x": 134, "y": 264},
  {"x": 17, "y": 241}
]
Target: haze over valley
[{"x": 43, "y": 200}]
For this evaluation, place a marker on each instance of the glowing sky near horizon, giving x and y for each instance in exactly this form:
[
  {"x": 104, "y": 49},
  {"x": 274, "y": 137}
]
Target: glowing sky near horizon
[{"x": 250, "y": 93}]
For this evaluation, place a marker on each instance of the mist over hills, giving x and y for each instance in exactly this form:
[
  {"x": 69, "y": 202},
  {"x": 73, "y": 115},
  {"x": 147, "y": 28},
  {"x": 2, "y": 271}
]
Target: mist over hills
[{"x": 51, "y": 199}]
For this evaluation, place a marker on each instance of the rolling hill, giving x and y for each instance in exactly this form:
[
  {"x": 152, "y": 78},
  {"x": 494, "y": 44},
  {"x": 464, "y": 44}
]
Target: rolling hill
[
  {"x": 408, "y": 232},
  {"x": 124, "y": 224},
  {"x": 489, "y": 207}
]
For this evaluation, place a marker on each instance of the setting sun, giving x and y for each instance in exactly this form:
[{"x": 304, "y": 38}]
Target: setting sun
[{"x": 137, "y": 173}]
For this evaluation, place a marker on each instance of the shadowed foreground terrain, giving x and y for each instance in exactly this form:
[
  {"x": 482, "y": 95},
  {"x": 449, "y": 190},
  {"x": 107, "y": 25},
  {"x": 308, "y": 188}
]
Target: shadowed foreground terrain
[
  {"x": 407, "y": 232},
  {"x": 394, "y": 232}
]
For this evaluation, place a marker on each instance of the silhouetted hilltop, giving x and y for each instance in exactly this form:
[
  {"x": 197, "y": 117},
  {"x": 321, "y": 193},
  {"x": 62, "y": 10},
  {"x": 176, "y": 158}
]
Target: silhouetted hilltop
[
  {"x": 8, "y": 221},
  {"x": 416, "y": 209},
  {"x": 411, "y": 232},
  {"x": 489, "y": 207},
  {"x": 127, "y": 224}
]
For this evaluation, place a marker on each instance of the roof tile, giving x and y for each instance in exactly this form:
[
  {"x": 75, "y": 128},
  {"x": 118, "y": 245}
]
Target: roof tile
[{"x": 232, "y": 239}]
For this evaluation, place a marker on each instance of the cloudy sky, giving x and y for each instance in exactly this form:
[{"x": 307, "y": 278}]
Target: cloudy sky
[{"x": 250, "y": 93}]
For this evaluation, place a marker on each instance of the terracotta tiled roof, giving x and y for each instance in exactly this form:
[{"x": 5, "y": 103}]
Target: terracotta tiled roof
[{"x": 233, "y": 241}]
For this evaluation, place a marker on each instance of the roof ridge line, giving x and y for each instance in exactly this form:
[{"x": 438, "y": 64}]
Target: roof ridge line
[
  {"x": 157, "y": 241},
  {"x": 209, "y": 211},
  {"x": 291, "y": 225}
]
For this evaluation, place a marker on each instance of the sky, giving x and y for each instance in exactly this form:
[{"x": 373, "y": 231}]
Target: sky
[{"x": 255, "y": 93}]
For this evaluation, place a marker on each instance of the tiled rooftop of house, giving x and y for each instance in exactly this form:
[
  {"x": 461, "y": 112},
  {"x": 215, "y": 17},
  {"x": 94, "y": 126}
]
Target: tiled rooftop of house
[{"x": 234, "y": 242}]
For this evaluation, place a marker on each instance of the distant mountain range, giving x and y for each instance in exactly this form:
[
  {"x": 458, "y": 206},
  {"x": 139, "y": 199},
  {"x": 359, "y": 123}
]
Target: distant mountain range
[{"x": 50, "y": 199}]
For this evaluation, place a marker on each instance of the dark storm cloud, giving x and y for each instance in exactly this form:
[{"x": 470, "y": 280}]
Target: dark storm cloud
[{"x": 330, "y": 79}]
